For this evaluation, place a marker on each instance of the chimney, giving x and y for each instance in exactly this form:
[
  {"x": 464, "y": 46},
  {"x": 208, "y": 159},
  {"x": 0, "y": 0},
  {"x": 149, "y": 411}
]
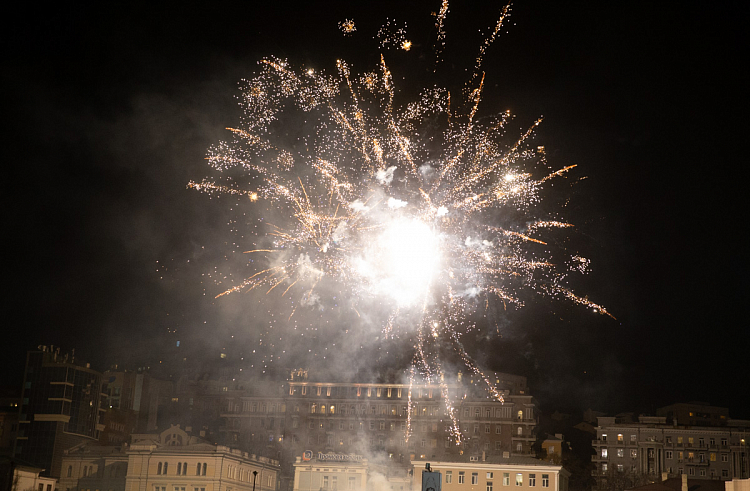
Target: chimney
[{"x": 684, "y": 482}]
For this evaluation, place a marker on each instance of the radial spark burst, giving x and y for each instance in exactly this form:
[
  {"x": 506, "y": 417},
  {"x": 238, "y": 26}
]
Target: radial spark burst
[{"x": 407, "y": 206}]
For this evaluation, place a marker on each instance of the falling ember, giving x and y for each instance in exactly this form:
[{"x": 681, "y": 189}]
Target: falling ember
[{"x": 420, "y": 226}]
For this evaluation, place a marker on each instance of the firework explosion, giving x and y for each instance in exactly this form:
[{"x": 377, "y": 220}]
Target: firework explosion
[{"x": 403, "y": 206}]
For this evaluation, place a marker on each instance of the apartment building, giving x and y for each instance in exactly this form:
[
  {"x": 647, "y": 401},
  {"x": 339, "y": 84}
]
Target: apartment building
[
  {"x": 653, "y": 447},
  {"x": 61, "y": 406}
]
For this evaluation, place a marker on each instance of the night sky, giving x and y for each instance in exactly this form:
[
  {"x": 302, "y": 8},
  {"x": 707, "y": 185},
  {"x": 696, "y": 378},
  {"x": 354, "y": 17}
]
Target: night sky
[{"x": 109, "y": 111}]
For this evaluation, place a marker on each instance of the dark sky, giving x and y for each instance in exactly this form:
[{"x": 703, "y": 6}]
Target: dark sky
[{"x": 109, "y": 111}]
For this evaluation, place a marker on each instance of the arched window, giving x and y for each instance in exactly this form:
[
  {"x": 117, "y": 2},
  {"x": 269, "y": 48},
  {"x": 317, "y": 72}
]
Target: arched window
[
  {"x": 158, "y": 468},
  {"x": 179, "y": 466},
  {"x": 165, "y": 467},
  {"x": 198, "y": 469},
  {"x": 184, "y": 468},
  {"x": 204, "y": 468}
]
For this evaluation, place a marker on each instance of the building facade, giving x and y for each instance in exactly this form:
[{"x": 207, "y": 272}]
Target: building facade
[
  {"x": 494, "y": 474},
  {"x": 61, "y": 406},
  {"x": 652, "y": 447},
  {"x": 399, "y": 421},
  {"x": 170, "y": 461}
]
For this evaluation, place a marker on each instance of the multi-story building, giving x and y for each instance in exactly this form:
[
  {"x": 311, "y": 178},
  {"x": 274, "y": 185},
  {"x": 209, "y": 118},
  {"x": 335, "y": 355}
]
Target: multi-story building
[
  {"x": 60, "y": 407},
  {"x": 652, "y": 447},
  {"x": 400, "y": 421},
  {"x": 494, "y": 473},
  {"x": 172, "y": 460}
]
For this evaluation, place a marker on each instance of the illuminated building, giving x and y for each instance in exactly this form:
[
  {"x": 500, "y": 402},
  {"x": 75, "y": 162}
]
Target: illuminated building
[
  {"x": 652, "y": 447},
  {"x": 288, "y": 418},
  {"x": 494, "y": 473},
  {"x": 346, "y": 472},
  {"x": 172, "y": 460},
  {"x": 60, "y": 408}
]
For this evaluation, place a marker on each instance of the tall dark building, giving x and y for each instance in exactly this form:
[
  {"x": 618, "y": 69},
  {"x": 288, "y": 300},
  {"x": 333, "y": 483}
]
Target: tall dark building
[{"x": 60, "y": 407}]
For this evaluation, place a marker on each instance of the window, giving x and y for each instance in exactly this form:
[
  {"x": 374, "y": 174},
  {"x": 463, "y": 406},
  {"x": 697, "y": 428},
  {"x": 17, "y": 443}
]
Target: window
[
  {"x": 158, "y": 469},
  {"x": 690, "y": 441},
  {"x": 489, "y": 485},
  {"x": 506, "y": 479},
  {"x": 325, "y": 482},
  {"x": 448, "y": 477},
  {"x": 204, "y": 469},
  {"x": 620, "y": 438},
  {"x": 621, "y": 452},
  {"x": 198, "y": 469},
  {"x": 604, "y": 453},
  {"x": 532, "y": 480},
  {"x": 620, "y": 468},
  {"x": 70, "y": 470},
  {"x": 724, "y": 457},
  {"x": 497, "y": 429},
  {"x": 545, "y": 480},
  {"x": 334, "y": 480},
  {"x": 352, "y": 482},
  {"x": 489, "y": 475},
  {"x": 179, "y": 468},
  {"x": 519, "y": 447},
  {"x": 667, "y": 454},
  {"x": 632, "y": 438},
  {"x": 520, "y": 430},
  {"x": 723, "y": 442},
  {"x": 519, "y": 479},
  {"x": 461, "y": 477},
  {"x": 474, "y": 478},
  {"x": 604, "y": 437},
  {"x": 679, "y": 440},
  {"x": 724, "y": 473},
  {"x": 634, "y": 453},
  {"x": 486, "y": 428}
]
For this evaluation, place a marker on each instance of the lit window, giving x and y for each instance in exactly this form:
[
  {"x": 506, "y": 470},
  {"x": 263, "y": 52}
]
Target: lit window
[
  {"x": 604, "y": 453},
  {"x": 519, "y": 479}
]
